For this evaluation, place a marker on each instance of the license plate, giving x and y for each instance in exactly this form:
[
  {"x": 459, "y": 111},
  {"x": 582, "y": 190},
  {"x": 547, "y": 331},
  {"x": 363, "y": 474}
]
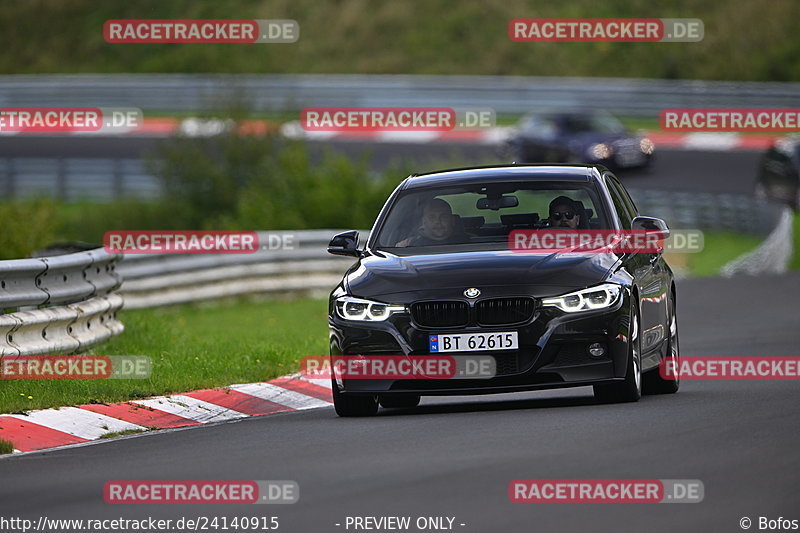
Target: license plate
[{"x": 473, "y": 342}]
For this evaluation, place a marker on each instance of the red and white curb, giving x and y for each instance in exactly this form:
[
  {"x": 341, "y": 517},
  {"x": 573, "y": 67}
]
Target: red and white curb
[
  {"x": 722, "y": 142},
  {"x": 167, "y": 127},
  {"x": 496, "y": 136},
  {"x": 195, "y": 127},
  {"x": 50, "y": 428}
]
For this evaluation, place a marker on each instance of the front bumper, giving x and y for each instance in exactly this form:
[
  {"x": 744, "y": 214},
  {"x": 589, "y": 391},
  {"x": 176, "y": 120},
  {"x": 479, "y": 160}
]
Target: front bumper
[{"x": 553, "y": 352}]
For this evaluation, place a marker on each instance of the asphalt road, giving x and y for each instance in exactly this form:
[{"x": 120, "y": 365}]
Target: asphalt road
[
  {"x": 456, "y": 456},
  {"x": 678, "y": 170}
]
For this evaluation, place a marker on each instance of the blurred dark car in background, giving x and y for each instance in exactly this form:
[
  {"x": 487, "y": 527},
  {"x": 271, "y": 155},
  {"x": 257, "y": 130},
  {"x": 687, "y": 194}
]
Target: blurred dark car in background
[
  {"x": 585, "y": 137},
  {"x": 779, "y": 173}
]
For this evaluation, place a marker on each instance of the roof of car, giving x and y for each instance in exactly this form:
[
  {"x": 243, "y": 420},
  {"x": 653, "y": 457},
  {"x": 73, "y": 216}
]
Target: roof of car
[{"x": 573, "y": 173}]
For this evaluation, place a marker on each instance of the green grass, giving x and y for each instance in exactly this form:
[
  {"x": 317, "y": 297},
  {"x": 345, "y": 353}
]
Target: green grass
[
  {"x": 794, "y": 264},
  {"x": 719, "y": 248},
  {"x": 112, "y": 434},
  {"x": 193, "y": 347},
  {"x": 6, "y": 447},
  {"x": 413, "y": 36}
]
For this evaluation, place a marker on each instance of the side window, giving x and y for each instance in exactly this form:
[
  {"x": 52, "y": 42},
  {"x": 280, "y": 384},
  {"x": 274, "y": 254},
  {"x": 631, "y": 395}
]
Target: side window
[
  {"x": 619, "y": 204},
  {"x": 632, "y": 211}
]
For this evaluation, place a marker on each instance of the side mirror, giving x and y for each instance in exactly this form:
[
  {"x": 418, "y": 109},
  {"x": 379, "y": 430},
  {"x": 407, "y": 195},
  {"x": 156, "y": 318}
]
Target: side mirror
[
  {"x": 345, "y": 244},
  {"x": 651, "y": 225},
  {"x": 497, "y": 203}
]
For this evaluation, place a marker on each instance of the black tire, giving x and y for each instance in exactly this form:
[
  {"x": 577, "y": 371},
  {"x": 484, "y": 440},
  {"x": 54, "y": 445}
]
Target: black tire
[
  {"x": 399, "y": 402},
  {"x": 348, "y": 405},
  {"x": 629, "y": 390},
  {"x": 653, "y": 382}
]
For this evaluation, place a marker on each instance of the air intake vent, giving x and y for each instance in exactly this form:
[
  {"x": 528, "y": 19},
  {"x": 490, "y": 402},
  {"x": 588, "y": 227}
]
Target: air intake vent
[
  {"x": 440, "y": 314},
  {"x": 500, "y": 311}
]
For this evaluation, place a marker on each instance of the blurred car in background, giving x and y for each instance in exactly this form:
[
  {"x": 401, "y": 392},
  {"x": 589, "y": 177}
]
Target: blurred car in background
[
  {"x": 585, "y": 137},
  {"x": 779, "y": 173}
]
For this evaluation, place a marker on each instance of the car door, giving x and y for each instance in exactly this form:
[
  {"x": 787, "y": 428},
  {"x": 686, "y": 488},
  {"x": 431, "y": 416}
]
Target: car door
[{"x": 650, "y": 273}]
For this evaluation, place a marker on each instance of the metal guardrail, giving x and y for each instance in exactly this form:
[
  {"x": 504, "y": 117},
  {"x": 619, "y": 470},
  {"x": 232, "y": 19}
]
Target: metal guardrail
[
  {"x": 56, "y": 280},
  {"x": 155, "y": 280},
  {"x": 58, "y": 304},
  {"x": 281, "y": 92},
  {"x": 737, "y": 213},
  {"x": 66, "y": 328},
  {"x": 72, "y": 179}
]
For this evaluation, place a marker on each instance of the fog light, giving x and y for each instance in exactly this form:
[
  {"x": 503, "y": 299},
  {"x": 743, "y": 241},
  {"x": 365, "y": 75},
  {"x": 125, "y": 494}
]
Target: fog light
[{"x": 597, "y": 350}]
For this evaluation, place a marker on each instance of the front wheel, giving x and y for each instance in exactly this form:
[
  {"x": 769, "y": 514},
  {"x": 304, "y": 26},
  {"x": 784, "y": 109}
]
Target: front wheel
[
  {"x": 347, "y": 405},
  {"x": 653, "y": 382},
  {"x": 629, "y": 390}
]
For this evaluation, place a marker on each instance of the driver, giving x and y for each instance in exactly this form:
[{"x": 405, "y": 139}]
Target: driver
[
  {"x": 438, "y": 226},
  {"x": 564, "y": 213}
]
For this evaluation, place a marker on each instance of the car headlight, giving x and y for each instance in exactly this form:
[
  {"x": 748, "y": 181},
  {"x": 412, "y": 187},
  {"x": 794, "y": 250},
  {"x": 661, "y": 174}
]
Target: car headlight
[
  {"x": 646, "y": 146},
  {"x": 600, "y": 151},
  {"x": 350, "y": 308},
  {"x": 598, "y": 297}
]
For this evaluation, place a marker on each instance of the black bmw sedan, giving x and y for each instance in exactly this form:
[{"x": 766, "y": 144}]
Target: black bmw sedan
[{"x": 437, "y": 275}]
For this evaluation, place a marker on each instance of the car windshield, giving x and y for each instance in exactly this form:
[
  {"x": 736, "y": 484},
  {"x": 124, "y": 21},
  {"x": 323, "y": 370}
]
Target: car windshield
[{"x": 480, "y": 217}]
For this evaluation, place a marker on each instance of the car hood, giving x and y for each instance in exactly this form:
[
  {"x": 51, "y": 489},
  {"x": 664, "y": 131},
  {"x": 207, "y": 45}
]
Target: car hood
[{"x": 385, "y": 274}]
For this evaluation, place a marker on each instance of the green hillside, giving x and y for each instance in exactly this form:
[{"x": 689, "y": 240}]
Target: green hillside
[{"x": 745, "y": 40}]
